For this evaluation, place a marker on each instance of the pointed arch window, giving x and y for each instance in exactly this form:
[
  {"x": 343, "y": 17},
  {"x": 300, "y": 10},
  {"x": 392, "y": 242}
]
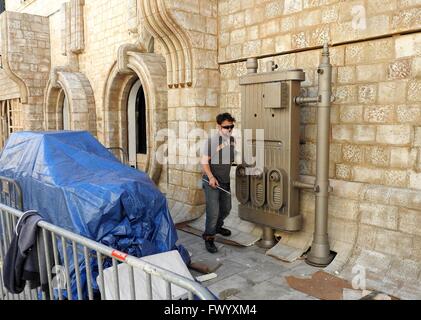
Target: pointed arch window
[{"x": 136, "y": 120}]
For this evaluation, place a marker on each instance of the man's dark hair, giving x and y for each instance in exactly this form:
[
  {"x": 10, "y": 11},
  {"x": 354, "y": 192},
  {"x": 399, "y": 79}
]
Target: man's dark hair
[{"x": 224, "y": 117}]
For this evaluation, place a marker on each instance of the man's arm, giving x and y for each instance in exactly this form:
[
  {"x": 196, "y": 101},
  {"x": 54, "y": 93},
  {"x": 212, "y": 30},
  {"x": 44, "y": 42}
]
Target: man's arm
[{"x": 206, "y": 168}]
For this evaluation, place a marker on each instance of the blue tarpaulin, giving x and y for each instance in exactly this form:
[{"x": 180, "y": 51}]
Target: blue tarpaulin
[{"x": 76, "y": 183}]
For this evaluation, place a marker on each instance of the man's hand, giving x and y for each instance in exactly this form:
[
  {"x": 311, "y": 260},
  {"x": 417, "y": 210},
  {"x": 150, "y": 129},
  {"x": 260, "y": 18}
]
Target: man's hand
[{"x": 213, "y": 182}]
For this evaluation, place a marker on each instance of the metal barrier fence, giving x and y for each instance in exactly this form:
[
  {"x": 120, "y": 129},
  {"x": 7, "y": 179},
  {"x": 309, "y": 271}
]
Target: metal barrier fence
[{"x": 78, "y": 245}]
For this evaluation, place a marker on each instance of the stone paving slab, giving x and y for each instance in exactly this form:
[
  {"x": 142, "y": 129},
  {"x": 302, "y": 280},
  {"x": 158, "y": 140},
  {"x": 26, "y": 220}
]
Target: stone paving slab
[
  {"x": 263, "y": 272},
  {"x": 263, "y": 291},
  {"x": 247, "y": 272},
  {"x": 284, "y": 252},
  {"x": 227, "y": 269},
  {"x": 231, "y": 286},
  {"x": 270, "y": 290}
]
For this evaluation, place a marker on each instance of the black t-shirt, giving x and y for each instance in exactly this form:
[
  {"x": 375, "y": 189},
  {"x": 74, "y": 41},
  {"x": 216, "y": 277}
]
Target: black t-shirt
[{"x": 221, "y": 150}]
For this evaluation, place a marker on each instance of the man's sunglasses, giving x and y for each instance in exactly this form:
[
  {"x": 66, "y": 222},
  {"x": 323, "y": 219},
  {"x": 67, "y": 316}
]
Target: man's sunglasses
[{"x": 228, "y": 127}]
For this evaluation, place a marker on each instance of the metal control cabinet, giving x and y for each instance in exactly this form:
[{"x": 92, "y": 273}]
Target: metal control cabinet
[{"x": 269, "y": 197}]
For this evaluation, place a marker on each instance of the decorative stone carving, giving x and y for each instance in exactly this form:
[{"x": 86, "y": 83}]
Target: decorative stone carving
[
  {"x": 65, "y": 27},
  {"x": 172, "y": 38},
  {"x": 146, "y": 40},
  {"x": 54, "y": 76},
  {"x": 123, "y": 58},
  {"x": 72, "y": 27},
  {"x": 77, "y": 42}
]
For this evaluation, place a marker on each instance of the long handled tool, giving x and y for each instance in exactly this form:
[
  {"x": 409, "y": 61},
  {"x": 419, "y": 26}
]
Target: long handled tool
[{"x": 218, "y": 187}]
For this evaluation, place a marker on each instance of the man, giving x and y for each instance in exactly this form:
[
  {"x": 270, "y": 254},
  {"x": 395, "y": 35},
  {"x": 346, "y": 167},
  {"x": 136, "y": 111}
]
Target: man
[{"x": 217, "y": 157}]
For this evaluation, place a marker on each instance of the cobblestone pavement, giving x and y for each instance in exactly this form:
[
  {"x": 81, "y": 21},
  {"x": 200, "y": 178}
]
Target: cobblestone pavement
[{"x": 247, "y": 273}]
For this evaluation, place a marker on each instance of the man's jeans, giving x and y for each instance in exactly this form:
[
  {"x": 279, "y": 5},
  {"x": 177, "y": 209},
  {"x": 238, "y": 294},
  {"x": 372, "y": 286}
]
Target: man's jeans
[{"x": 218, "y": 207}]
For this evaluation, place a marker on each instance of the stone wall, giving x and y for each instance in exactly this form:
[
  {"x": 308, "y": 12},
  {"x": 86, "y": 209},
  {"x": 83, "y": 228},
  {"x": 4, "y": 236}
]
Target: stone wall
[
  {"x": 193, "y": 107},
  {"x": 257, "y": 27},
  {"x": 375, "y": 118},
  {"x": 8, "y": 89},
  {"x": 375, "y": 209},
  {"x": 109, "y": 25},
  {"x": 25, "y": 44}
]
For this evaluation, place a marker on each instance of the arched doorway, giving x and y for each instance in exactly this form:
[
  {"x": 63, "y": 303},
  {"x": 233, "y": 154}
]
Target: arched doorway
[
  {"x": 137, "y": 126},
  {"x": 69, "y": 103},
  {"x": 136, "y": 109}
]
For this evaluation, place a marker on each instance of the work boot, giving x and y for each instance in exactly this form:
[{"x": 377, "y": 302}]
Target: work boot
[
  {"x": 209, "y": 243},
  {"x": 210, "y": 246},
  {"x": 225, "y": 232}
]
